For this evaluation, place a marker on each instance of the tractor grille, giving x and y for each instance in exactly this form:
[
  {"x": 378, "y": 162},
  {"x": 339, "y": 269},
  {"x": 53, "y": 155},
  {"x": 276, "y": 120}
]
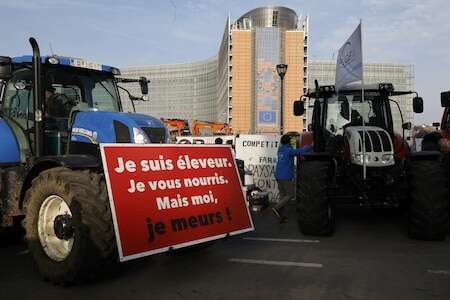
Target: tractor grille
[
  {"x": 376, "y": 141},
  {"x": 156, "y": 135},
  {"x": 122, "y": 132}
]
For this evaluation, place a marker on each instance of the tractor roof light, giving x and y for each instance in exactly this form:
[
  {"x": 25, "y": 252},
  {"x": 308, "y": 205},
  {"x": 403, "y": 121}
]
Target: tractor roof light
[
  {"x": 53, "y": 60},
  {"x": 327, "y": 90},
  {"x": 115, "y": 71},
  {"x": 388, "y": 87}
]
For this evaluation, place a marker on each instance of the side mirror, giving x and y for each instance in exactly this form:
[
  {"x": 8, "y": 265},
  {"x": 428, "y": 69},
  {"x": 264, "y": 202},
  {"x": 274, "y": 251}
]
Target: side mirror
[
  {"x": 445, "y": 99},
  {"x": 407, "y": 126},
  {"x": 436, "y": 124},
  {"x": 418, "y": 105},
  {"x": 5, "y": 67},
  {"x": 299, "y": 108},
  {"x": 143, "y": 82}
]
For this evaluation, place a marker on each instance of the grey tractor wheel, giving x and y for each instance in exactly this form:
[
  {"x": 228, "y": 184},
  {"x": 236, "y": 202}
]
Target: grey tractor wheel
[
  {"x": 68, "y": 225},
  {"x": 315, "y": 212},
  {"x": 429, "y": 195}
]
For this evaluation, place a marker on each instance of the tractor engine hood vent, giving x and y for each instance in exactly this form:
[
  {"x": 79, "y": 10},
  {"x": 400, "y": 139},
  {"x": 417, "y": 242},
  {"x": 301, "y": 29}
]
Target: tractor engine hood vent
[{"x": 379, "y": 150}]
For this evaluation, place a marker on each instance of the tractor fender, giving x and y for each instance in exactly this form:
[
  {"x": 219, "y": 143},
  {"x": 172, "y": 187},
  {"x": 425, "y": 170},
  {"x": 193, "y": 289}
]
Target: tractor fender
[
  {"x": 430, "y": 141},
  {"x": 305, "y": 138},
  {"x": 9, "y": 151},
  {"x": 71, "y": 161},
  {"x": 322, "y": 156},
  {"x": 424, "y": 155},
  {"x": 401, "y": 147}
]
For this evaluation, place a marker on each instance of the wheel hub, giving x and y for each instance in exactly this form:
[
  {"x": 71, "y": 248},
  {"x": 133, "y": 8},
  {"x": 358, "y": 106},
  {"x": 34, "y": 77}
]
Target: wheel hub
[
  {"x": 63, "y": 227},
  {"x": 55, "y": 228}
]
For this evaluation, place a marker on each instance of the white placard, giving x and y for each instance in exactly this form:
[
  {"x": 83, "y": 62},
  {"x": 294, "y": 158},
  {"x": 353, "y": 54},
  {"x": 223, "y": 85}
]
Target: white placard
[{"x": 259, "y": 153}]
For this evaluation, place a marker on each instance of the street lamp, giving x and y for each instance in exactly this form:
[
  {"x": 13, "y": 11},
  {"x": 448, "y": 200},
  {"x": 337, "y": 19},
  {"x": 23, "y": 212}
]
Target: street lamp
[{"x": 281, "y": 70}]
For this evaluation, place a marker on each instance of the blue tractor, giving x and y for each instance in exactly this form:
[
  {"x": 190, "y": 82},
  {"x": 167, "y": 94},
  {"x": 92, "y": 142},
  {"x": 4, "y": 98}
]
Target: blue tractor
[{"x": 55, "y": 111}]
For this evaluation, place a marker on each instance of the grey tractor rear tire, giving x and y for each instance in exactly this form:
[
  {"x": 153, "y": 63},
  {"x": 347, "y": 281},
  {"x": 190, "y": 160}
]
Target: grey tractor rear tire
[
  {"x": 94, "y": 247},
  {"x": 314, "y": 210},
  {"x": 430, "y": 200}
]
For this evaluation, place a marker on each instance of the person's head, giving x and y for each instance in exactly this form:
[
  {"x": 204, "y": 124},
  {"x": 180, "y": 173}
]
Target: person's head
[{"x": 285, "y": 139}]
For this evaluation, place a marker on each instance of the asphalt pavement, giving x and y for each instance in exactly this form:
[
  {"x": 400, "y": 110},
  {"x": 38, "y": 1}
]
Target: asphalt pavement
[{"x": 369, "y": 257}]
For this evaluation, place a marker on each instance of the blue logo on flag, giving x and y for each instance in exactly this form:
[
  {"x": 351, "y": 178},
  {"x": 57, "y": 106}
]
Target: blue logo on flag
[{"x": 267, "y": 117}]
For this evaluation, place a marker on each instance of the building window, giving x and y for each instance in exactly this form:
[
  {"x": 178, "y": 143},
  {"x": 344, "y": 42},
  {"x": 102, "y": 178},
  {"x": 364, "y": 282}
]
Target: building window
[{"x": 275, "y": 18}]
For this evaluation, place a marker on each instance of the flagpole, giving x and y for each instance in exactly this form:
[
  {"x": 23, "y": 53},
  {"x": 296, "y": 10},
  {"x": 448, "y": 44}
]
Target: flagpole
[{"x": 362, "y": 100}]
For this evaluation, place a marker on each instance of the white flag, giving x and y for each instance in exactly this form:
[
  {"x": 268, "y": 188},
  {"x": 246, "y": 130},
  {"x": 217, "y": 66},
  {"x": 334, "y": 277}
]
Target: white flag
[{"x": 349, "y": 65}]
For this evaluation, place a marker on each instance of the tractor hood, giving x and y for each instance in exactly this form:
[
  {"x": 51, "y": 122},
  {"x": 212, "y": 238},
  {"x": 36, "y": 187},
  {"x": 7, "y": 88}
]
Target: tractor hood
[
  {"x": 379, "y": 149},
  {"x": 113, "y": 127}
]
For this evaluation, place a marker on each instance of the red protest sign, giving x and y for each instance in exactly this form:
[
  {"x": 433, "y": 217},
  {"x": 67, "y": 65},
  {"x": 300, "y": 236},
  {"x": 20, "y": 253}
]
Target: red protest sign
[{"x": 166, "y": 196}]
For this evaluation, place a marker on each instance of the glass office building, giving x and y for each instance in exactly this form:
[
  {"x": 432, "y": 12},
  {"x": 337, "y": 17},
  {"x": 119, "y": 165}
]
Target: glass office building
[{"x": 183, "y": 91}]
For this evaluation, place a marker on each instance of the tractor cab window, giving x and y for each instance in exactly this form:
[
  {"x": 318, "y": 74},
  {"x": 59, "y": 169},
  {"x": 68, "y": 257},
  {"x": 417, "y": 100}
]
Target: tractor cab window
[
  {"x": 84, "y": 90},
  {"x": 60, "y": 98},
  {"x": 18, "y": 109},
  {"x": 18, "y": 100},
  {"x": 104, "y": 95},
  {"x": 348, "y": 110},
  {"x": 1, "y": 91},
  {"x": 362, "y": 112},
  {"x": 63, "y": 94}
]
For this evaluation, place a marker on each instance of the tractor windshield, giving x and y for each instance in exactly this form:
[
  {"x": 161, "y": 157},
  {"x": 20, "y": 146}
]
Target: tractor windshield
[
  {"x": 84, "y": 87},
  {"x": 348, "y": 110},
  {"x": 104, "y": 94}
]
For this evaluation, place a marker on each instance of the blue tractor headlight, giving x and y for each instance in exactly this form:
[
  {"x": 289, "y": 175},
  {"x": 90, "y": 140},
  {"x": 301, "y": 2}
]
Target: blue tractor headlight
[{"x": 139, "y": 136}]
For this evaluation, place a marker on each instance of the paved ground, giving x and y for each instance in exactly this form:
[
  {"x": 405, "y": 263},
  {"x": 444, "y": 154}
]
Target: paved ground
[{"x": 369, "y": 257}]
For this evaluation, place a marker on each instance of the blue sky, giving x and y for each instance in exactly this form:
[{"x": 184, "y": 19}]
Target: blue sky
[{"x": 138, "y": 32}]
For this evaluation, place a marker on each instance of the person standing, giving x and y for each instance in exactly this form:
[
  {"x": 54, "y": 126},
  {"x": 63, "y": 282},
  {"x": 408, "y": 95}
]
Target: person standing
[{"x": 284, "y": 174}]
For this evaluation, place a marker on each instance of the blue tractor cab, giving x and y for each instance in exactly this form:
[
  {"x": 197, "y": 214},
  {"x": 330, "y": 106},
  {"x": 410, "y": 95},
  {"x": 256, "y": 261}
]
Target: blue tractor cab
[{"x": 81, "y": 108}]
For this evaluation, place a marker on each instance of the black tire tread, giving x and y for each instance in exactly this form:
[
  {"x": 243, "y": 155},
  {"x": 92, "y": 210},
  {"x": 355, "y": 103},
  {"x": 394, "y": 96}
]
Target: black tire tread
[
  {"x": 312, "y": 199},
  {"x": 429, "y": 194},
  {"x": 94, "y": 248}
]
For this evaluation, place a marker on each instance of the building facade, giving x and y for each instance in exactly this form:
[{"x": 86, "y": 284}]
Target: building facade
[
  {"x": 249, "y": 95},
  {"x": 183, "y": 91},
  {"x": 241, "y": 86},
  {"x": 401, "y": 76}
]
